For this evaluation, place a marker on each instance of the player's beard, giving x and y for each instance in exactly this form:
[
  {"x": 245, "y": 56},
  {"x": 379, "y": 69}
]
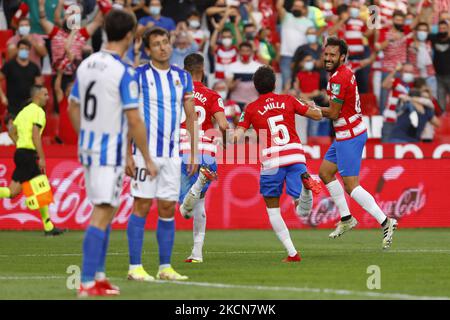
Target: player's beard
[{"x": 334, "y": 67}]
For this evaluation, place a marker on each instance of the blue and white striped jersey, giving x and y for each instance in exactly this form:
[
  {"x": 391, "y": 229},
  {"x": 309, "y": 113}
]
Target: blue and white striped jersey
[
  {"x": 161, "y": 101},
  {"x": 105, "y": 87}
]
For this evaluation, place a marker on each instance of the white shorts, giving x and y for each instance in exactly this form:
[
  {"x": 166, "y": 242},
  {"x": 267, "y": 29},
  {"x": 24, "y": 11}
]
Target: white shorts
[
  {"x": 166, "y": 184},
  {"x": 104, "y": 184}
]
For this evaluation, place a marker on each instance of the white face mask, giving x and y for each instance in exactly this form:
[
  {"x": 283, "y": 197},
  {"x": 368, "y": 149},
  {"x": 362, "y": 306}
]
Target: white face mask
[
  {"x": 24, "y": 30},
  {"x": 309, "y": 65},
  {"x": 194, "y": 24},
  {"x": 227, "y": 42},
  {"x": 154, "y": 11},
  {"x": 408, "y": 77},
  {"x": 117, "y": 6},
  {"x": 223, "y": 94}
]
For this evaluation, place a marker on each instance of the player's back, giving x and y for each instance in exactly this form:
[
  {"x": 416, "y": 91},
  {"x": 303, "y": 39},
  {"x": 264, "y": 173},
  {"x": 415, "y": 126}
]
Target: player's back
[
  {"x": 207, "y": 103},
  {"x": 273, "y": 116},
  {"x": 104, "y": 94}
]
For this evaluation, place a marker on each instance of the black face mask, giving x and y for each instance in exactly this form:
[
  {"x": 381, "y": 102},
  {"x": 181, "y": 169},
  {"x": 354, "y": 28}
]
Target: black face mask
[
  {"x": 442, "y": 35},
  {"x": 399, "y": 27},
  {"x": 297, "y": 13}
]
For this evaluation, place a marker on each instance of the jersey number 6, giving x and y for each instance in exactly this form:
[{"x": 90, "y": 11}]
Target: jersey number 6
[{"x": 90, "y": 103}]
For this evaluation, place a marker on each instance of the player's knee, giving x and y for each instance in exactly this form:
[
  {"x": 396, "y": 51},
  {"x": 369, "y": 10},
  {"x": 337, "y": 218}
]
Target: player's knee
[
  {"x": 349, "y": 187},
  {"x": 325, "y": 176},
  {"x": 141, "y": 207},
  {"x": 166, "y": 210}
]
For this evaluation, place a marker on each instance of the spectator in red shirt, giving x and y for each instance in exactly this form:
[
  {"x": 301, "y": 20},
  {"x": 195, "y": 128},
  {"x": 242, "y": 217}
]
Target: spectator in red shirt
[
  {"x": 66, "y": 132},
  {"x": 38, "y": 49}
]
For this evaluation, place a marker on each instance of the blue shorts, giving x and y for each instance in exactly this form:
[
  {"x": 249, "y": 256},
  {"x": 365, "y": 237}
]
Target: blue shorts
[
  {"x": 272, "y": 181},
  {"x": 347, "y": 155},
  {"x": 186, "y": 181}
]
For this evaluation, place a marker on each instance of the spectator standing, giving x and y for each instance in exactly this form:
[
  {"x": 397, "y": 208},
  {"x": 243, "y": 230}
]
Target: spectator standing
[
  {"x": 66, "y": 132},
  {"x": 240, "y": 76},
  {"x": 441, "y": 57},
  {"x": 419, "y": 54},
  {"x": 293, "y": 34},
  {"x": 38, "y": 49},
  {"x": 20, "y": 74},
  {"x": 49, "y": 8},
  {"x": 183, "y": 46},
  {"x": 194, "y": 23},
  {"x": 232, "y": 110}
]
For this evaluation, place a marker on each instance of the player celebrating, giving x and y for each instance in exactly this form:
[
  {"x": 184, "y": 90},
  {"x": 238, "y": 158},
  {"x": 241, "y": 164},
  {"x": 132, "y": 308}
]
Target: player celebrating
[
  {"x": 283, "y": 159},
  {"x": 105, "y": 92},
  {"x": 29, "y": 157},
  {"x": 166, "y": 89},
  {"x": 208, "y": 105},
  {"x": 345, "y": 153}
]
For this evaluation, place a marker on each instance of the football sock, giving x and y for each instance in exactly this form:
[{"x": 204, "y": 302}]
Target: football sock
[
  {"x": 369, "y": 204},
  {"x": 135, "y": 234},
  {"x": 199, "y": 228},
  {"x": 384, "y": 222},
  {"x": 48, "y": 225},
  {"x": 92, "y": 250},
  {"x": 305, "y": 203},
  {"x": 338, "y": 195},
  {"x": 165, "y": 234},
  {"x": 5, "y": 192},
  {"x": 199, "y": 185},
  {"x": 281, "y": 230},
  {"x": 100, "y": 274}
]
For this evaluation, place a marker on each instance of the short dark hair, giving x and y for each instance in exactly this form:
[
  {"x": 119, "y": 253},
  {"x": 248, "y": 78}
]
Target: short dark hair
[
  {"x": 35, "y": 88},
  {"x": 154, "y": 31},
  {"x": 118, "y": 23},
  {"x": 443, "y": 22},
  {"x": 227, "y": 30},
  {"x": 398, "y": 13},
  {"x": 264, "y": 79},
  {"x": 194, "y": 62},
  {"x": 422, "y": 24},
  {"x": 249, "y": 25},
  {"x": 194, "y": 13},
  {"x": 245, "y": 44},
  {"x": 25, "y": 42},
  {"x": 334, "y": 41},
  {"x": 341, "y": 9}
]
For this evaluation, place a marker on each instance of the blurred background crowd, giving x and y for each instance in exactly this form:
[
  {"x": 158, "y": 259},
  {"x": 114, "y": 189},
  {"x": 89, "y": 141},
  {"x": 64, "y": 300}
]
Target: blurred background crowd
[{"x": 398, "y": 49}]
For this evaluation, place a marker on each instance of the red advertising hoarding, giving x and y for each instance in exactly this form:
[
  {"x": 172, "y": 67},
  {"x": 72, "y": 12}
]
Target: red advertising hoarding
[{"x": 413, "y": 191}]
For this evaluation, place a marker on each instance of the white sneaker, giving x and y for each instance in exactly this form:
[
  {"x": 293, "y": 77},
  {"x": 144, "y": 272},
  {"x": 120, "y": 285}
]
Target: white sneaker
[
  {"x": 188, "y": 205},
  {"x": 343, "y": 226},
  {"x": 388, "y": 232}
]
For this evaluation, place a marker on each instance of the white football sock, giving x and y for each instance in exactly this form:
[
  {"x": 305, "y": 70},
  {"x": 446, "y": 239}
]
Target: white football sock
[
  {"x": 369, "y": 204},
  {"x": 198, "y": 185},
  {"x": 199, "y": 228},
  {"x": 280, "y": 228},
  {"x": 163, "y": 266},
  {"x": 100, "y": 276},
  {"x": 305, "y": 202},
  {"x": 338, "y": 195}
]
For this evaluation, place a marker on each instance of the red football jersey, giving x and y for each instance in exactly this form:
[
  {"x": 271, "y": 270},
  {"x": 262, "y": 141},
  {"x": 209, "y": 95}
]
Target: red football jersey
[
  {"x": 273, "y": 117},
  {"x": 207, "y": 103},
  {"x": 342, "y": 88}
]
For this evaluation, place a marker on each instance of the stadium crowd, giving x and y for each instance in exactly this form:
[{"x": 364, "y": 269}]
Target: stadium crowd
[{"x": 399, "y": 50}]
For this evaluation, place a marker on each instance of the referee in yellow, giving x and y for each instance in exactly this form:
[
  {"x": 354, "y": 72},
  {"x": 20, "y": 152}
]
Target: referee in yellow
[{"x": 29, "y": 157}]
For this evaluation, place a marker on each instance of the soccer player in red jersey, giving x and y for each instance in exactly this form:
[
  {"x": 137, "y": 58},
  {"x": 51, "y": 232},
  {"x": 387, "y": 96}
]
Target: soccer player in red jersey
[
  {"x": 344, "y": 155},
  {"x": 283, "y": 158},
  {"x": 208, "y": 105}
]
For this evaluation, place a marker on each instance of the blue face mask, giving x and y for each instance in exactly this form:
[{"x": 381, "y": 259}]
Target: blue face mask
[
  {"x": 23, "y": 54},
  {"x": 154, "y": 11},
  {"x": 354, "y": 13},
  {"x": 309, "y": 65},
  {"x": 311, "y": 38},
  {"x": 422, "y": 35}
]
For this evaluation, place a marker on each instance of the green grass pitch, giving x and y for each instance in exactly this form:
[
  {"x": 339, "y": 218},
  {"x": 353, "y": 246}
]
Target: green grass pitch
[{"x": 241, "y": 265}]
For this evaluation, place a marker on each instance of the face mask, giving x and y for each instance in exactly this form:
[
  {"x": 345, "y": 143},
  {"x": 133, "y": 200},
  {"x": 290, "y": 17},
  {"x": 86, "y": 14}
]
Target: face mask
[
  {"x": 354, "y": 13},
  {"x": 23, "y": 54},
  {"x": 194, "y": 24},
  {"x": 154, "y": 11},
  {"x": 309, "y": 65},
  {"x": 408, "y": 22},
  {"x": 24, "y": 30},
  {"x": 223, "y": 94},
  {"x": 422, "y": 35},
  {"x": 311, "y": 38},
  {"x": 227, "y": 42},
  {"x": 249, "y": 35},
  {"x": 297, "y": 13},
  {"x": 117, "y": 6},
  {"x": 442, "y": 35},
  {"x": 245, "y": 58},
  {"x": 181, "y": 50},
  {"x": 408, "y": 77},
  {"x": 399, "y": 27}
]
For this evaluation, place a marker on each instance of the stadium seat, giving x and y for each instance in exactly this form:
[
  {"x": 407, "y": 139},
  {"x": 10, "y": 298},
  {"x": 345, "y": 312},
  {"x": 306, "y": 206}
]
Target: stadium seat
[
  {"x": 369, "y": 104},
  {"x": 442, "y": 134}
]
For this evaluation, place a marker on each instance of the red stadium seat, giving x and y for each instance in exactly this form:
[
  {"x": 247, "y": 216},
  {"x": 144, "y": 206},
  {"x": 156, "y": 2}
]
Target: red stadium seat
[
  {"x": 369, "y": 104},
  {"x": 442, "y": 134}
]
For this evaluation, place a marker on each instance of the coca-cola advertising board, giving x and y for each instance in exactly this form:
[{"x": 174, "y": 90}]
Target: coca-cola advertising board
[{"x": 413, "y": 191}]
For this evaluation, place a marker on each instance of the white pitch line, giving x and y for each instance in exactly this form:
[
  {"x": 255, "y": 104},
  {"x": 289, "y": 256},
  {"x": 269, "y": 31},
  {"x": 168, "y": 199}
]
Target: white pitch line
[{"x": 338, "y": 292}]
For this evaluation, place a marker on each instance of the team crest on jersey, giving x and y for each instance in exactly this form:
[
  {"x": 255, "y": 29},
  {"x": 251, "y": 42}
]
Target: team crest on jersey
[
  {"x": 242, "y": 116},
  {"x": 220, "y": 102},
  {"x": 335, "y": 88},
  {"x": 134, "y": 90}
]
